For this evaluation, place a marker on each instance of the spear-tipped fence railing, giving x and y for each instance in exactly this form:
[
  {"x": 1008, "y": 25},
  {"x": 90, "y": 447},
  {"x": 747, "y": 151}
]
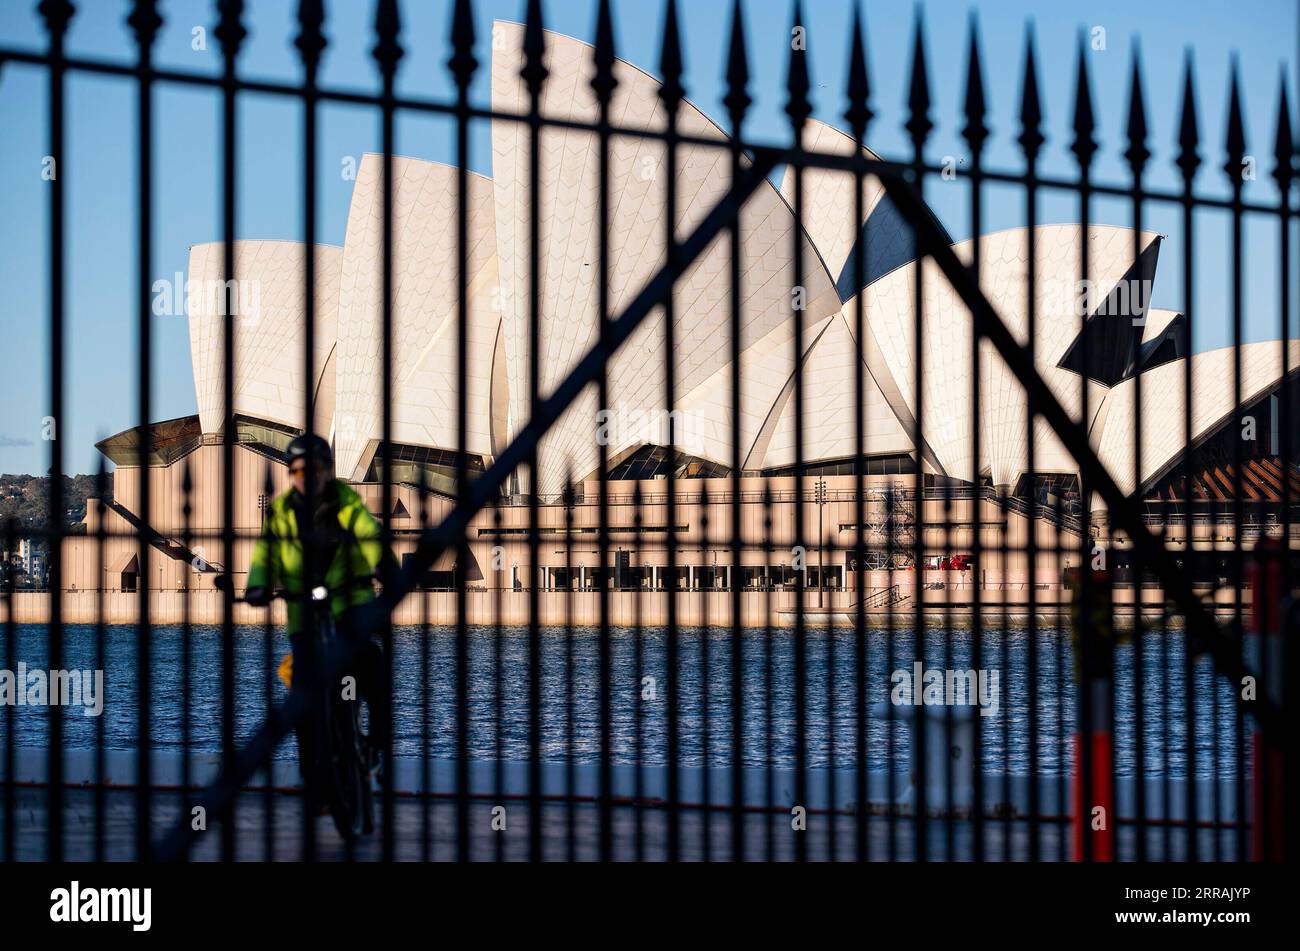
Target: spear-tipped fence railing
[{"x": 720, "y": 708}]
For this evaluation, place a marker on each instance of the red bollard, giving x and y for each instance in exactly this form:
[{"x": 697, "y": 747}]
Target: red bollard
[
  {"x": 1095, "y": 673},
  {"x": 1102, "y": 751}
]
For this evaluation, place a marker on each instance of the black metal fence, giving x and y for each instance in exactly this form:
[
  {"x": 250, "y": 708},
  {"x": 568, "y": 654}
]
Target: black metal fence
[{"x": 768, "y": 740}]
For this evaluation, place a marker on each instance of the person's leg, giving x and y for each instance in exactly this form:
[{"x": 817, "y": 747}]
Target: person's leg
[
  {"x": 304, "y": 730},
  {"x": 370, "y": 683},
  {"x": 299, "y": 678},
  {"x": 368, "y": 667}
]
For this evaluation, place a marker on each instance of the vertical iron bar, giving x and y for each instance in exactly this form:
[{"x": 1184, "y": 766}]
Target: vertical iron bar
[
  {"x": 534, "y": 75},
  {"x": 603, "y": 83},
  {"x": 1031, "y": 140},
  {"x": 1236, "y": 147},
  {"x": 671, "y": 94},
  {"x": 737, "y": 103},
  {"x": 1062, "y": 737},
  {"x": 11, "y": 637},
  {"x": 949, "y": 841},
  {"x": 268, "y": 693},
  {"x": 1216, "y": 804},
  {"x": 570, "y": 692},
  {"x": 387, "y": 52},
  {"x": 310, "y": 43},
  {"x": 1004, "y": 639},
  {"x": 1084, "y": 147},
  {"x": 975, "y": 133},
  {"x": 832, "y": 816},
  {"x": 769, "y": 816},
  {"x": 101, "y": 660},
  {"x": 1290, "y": 656},
  {"x": 1137, "y": 155},
  {"x": 426, "y": 691},
  {"x": 462, "y": 65},
  {"x": 57, "y": 13},
  {"x": 231, "y": 33},
  {"x": 1284, "y": 174},
  {"x": 498, "y": 688},
  {"x": 1188, "y": 161},
  {"x": 1166, "y": 798},
  {"x": 918, "y": 126},
  {"x": 706, "y": 811},
  {"x": 890, "y": 510},
  {"x": 638, "y": 708},
  {"x": 798, "y": 109},
  {"x": 145, "y": 22},
  {"x": 859, "y": 116},
  {"x": 832, "y": 784}
]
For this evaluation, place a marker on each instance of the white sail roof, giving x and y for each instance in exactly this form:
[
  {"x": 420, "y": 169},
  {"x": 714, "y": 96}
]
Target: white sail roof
[
  {"x": 1163, "y": 429},
  {"x": 268, "y": 302},
  {"x": 569, "y": 180},
  {"x": 425, "y": 315},
  {"x": 947, "y": 333}
]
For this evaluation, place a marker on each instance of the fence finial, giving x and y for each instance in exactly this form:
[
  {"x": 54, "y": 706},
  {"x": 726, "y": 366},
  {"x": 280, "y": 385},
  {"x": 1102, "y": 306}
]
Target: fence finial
[
  {"x": 57, "y": 14},
  {"x": 603, "y": 81},
  {"x": 1031, "y": 110},
  {"x": 388, "y": 27},
  {"x": 534, "y": 71},
  {"x": 310, "y": 40},
  {"x": 1084, "y": 145},
  {"x": 858, "y": 114},
  {"x": 1188, "y": 136},
  {"x": 1234, "y": 144},
  {"x": 462, "y": 63},
  {"x": 737, "y": 100},
  {"x": 145, "y": 22},
  {"x": 918, "y": 97},
  {"x": 797, "y": 84},
  {"x": 975, "y": 130},
  {"x": 230, "y": 30},
  {"x": 1137, "y": 152},
  {"x": 671, "y": 91},
  {"x": 1283, "y": 144}
]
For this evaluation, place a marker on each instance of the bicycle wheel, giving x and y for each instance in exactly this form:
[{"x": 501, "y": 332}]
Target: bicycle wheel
[{"x": 350, "y": 800}]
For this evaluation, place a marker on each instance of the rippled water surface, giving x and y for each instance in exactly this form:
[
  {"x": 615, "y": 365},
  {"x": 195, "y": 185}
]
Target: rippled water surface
[{"x": 570, "y": 694}]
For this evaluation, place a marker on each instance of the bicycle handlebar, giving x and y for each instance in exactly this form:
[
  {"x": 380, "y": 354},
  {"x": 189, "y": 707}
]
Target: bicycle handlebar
[{"x": 318, "y": 593}]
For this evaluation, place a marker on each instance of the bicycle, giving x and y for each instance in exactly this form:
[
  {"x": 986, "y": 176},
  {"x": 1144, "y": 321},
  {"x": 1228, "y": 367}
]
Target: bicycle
[{"x": 335, "y": 727}]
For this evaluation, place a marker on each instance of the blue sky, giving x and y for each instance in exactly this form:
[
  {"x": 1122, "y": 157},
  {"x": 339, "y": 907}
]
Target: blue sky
[{"x": 99, "y": 167}]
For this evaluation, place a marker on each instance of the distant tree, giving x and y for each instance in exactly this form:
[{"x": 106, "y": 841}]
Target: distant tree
[{"x": 25, "y": 498}]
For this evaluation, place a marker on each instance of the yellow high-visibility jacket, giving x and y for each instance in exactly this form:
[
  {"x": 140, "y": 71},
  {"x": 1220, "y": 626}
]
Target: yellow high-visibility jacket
[{"x": 278, "y": 556}]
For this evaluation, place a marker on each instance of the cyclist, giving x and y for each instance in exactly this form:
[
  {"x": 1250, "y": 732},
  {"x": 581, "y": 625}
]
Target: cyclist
[{"x": 346, "y": 550}]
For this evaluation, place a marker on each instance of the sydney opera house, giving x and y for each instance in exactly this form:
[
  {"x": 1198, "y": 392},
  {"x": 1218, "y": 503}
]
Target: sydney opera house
[{"x": 270, "y": 392}]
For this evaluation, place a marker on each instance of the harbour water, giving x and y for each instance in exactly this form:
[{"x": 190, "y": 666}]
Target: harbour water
[{"x": 499, "y": 686}]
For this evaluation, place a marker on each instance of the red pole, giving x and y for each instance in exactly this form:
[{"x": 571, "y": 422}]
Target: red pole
[
  {"x": 1102, "y": 750},
  {"x": 1094, "y": 813}
]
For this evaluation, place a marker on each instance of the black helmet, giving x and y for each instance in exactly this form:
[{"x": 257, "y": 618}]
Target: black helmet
[{"x": 313, "y": 447}]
